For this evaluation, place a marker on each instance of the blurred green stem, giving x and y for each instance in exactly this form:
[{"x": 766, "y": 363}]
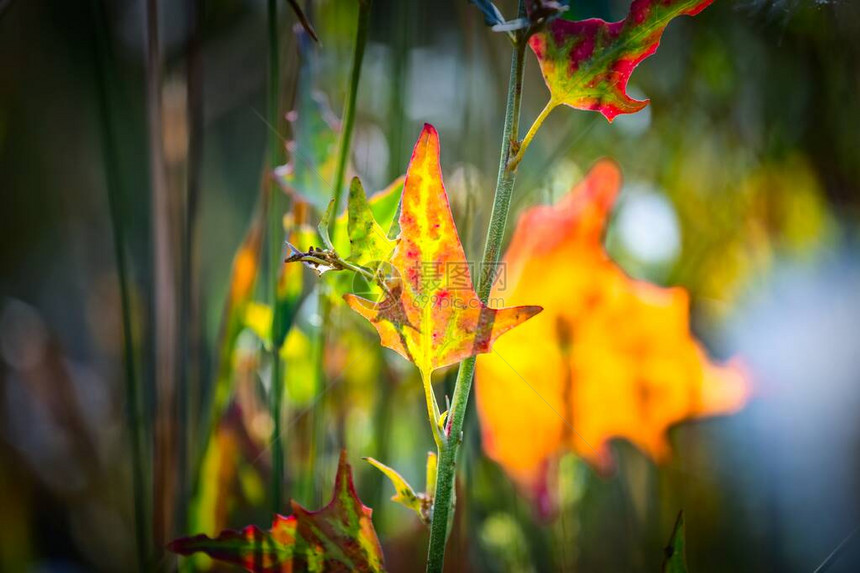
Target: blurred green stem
[
  {"x": 349, "y": 107},
  {"x": 189, "y": 331},
  {"x": 443, "y": 498},
  {"x": 113, "y": 181},
  {"x": 324, "y": 307},
  {"x": 276, "y": 236}
]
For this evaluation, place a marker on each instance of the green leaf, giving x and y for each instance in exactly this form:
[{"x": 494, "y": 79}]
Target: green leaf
[
  {"x": 675, "y": 554},
  {"x": 381, "y": 208},
  {"x": 420, "y": 503},
  {"x": 368, "y": 241},
  {"x": 360, "y": 238},
  {"x": 322, "y": 228},
  {"x": 404, "y": 495},
  {"x": 339, "y": 537}
]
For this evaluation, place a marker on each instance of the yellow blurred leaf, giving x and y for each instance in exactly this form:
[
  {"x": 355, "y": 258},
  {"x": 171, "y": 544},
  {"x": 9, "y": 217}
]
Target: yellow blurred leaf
[{"x": 610, "y": 357}]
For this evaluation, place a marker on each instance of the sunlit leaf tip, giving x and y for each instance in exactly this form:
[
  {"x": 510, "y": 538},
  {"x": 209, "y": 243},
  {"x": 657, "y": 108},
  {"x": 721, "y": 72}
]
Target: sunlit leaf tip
[
  {"x": 431, "y": 314},
  {"x": 587, "y": 64},
  {"x": 339, "y": 537}
]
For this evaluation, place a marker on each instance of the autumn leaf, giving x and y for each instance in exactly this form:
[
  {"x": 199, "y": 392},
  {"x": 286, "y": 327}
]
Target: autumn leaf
[
  {"x": 339, "y": 537},
  {"x": 436, "y": 318},
  {"x": 431, "y": 314},
  {"x": 586, "y": 64},
  {"x": 674, "y": 554},
  {"x": 610, "y": 357}
]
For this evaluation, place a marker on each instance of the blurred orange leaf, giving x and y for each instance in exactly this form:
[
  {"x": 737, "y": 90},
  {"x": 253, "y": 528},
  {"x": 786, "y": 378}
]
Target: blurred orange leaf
[
  {"x": 339, "y": 537},
  {"x": 612, "y": 356},
  {"x": 586, "y": 64},
  {"x": 432, "y": 315}
]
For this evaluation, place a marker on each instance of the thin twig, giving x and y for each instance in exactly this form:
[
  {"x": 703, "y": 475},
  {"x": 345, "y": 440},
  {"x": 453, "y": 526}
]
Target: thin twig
[
  {"x": 303, "y": 20},
  {"x": 834, "y": 555}
]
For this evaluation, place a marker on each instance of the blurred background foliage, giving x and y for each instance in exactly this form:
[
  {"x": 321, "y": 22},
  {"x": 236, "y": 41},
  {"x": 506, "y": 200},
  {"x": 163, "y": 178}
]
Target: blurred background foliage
[{"x": 742, "y": 184}]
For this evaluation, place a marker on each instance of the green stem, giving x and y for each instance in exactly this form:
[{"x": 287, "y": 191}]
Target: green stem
[
  {"x": 276, "y": 235},
  {"x": 317, "y": 422},
  {"x": 515, "y": 161},
  {"x": 349, "y": 108},
  {"x": 134, "y": 417},
  {"x": 443, "y": 498}
]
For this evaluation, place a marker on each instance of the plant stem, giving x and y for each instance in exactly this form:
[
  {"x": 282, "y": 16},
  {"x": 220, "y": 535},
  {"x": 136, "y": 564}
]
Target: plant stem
[
  {"x": 515, "y": 161},
  {"x": 349, "y": 108},
  {"x": 113, "y": 183},
  {"x": 276, "y": 236},
  {"x": 442, "y": 505}
]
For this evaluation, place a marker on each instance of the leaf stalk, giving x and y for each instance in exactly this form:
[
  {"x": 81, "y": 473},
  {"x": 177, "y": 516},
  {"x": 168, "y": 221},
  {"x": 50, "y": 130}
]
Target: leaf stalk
[{"x": 524, "y": 144}]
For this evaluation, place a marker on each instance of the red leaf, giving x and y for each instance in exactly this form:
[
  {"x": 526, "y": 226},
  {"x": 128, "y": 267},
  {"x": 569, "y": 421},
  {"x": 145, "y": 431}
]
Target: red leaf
[{"x": 586, "y": 64}]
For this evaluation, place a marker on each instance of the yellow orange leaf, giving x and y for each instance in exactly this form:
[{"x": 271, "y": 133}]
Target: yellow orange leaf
[
  {"x": 432, "y": 315},
  {"x": 610, "y": 357}
]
